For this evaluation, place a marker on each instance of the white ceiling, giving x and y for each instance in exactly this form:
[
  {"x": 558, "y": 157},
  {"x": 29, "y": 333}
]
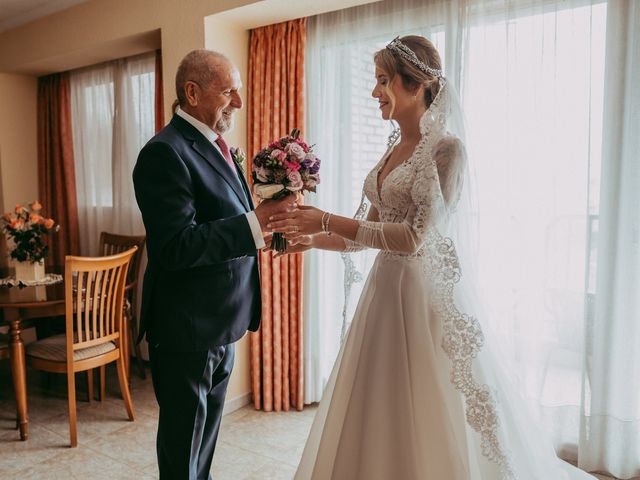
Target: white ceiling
[{"x": 14, "y": 13}]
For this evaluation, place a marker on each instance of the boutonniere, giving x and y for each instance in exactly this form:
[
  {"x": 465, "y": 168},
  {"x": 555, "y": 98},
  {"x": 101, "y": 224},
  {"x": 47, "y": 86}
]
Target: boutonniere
[{"x": 239, "y": 157}]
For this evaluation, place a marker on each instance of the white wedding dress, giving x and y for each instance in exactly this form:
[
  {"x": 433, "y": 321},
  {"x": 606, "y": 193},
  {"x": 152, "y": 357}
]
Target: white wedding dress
[{"x": 415, "y": 393}]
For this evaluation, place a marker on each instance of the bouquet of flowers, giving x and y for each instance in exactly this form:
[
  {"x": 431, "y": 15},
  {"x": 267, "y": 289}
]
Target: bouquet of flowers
[
  {"x": 27, "y": 227},
  {"x": 285, "y": 167}
]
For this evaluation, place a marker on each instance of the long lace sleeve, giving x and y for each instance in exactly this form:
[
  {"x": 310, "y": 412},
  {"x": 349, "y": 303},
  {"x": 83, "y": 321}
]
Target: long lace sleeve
[
  {"x": 428, "y": 205},
  {"x": 372, "y": 216}
]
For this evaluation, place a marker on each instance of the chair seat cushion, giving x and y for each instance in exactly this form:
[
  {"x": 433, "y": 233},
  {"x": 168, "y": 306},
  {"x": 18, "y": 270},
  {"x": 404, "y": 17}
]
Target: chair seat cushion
[{"x": 55, "y": 348}]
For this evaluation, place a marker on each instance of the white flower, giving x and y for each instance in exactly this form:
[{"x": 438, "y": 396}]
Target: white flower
[
  {"x": 267, "y": 191},
  {"x": 313, "y": 181},
  {"x": 262, "y": 174}
]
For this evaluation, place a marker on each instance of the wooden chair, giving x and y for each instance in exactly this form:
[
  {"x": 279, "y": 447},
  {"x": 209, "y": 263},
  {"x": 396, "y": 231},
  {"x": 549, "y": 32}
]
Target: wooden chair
[
  {"x": 94, "y": 298},
  {"x": 110, "y": 244}
]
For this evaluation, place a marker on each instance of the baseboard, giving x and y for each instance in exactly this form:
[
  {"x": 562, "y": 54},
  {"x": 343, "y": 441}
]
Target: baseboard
[{"x": 233, "y": 404}]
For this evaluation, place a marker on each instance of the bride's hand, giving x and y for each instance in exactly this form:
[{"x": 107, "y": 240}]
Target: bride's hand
[{"x": 304, "y": 220}]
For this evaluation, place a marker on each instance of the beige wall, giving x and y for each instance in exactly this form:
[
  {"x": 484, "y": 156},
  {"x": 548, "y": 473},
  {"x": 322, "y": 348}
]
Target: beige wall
[
  {"x": 102, "y": 30},
  {"x": 18, "y": 150}
]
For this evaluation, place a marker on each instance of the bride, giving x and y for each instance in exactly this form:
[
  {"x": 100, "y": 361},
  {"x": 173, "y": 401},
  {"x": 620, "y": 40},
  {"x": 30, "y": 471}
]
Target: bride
[{"x": 416, "y": 392}]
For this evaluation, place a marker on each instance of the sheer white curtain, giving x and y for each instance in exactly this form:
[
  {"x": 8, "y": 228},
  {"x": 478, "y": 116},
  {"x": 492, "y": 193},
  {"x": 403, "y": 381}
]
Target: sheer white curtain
[
  {"x": 112, "y": 118},
  {"x": 532, "y": 77},
  {"x": 610, "y": 433}
]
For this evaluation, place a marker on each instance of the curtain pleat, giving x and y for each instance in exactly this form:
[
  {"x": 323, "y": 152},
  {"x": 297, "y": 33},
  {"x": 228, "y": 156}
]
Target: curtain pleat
[
  {"x": 275, "y": 107},
  {"x": 159, "y": 94},
  {"x": 56, "y": 170}
]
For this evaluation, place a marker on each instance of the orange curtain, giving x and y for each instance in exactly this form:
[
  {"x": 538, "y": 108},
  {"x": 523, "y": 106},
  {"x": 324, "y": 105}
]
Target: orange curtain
[
  {"x": 159, "y": 97},
  {"x": 275, "y": 107},
  {"x": 56, "y": 170}
]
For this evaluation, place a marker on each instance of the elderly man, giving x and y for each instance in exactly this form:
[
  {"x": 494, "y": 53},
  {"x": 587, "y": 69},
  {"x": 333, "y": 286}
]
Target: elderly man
[{"x": 201, "y": 288}]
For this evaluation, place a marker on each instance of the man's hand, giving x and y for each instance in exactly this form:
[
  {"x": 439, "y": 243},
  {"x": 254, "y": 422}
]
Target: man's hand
[{"x": 268, "y": 208}]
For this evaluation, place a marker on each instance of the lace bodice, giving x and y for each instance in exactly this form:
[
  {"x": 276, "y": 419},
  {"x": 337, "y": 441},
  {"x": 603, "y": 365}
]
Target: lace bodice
[{"x": 415, "y": 195}]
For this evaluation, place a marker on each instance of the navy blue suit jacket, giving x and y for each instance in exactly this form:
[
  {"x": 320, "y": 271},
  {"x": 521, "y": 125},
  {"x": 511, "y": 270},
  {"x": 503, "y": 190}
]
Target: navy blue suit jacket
[{"x": 201, "y": 287}]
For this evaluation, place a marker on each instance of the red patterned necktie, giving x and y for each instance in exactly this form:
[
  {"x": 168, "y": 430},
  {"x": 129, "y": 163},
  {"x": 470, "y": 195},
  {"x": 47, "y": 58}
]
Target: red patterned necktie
[{"x": 226, "y": 153}]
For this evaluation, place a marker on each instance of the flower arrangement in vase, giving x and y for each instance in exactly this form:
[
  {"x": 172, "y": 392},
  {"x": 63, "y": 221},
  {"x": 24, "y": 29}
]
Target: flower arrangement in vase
[{"x": 26, "y": 227}]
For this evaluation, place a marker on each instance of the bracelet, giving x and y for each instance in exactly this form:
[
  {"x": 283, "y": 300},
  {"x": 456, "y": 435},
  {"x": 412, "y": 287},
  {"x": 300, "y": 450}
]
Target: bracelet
[{"x": 326, "y": 216}]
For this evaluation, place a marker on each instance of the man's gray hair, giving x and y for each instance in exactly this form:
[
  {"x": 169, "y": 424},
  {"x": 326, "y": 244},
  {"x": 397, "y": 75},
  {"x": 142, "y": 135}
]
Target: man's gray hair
[{"x": 197, "y": 66}]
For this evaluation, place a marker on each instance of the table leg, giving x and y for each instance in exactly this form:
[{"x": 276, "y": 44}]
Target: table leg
[{"x": 18, "y": 371}]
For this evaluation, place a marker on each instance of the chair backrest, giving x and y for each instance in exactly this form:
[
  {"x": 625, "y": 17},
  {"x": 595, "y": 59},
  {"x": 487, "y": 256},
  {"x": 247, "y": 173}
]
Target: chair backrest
[
  {"x": 112, "y": 243},
  {"x": 94, "y": 295}
]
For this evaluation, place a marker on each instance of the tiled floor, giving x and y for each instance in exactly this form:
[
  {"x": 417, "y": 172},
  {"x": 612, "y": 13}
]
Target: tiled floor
[{"x": 252, "y": 445}]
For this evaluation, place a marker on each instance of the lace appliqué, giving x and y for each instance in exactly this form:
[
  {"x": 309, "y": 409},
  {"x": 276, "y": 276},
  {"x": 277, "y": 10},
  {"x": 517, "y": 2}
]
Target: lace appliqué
[
  {"x": 462, "y": 340},
  {"x": 351, "y": 273}
]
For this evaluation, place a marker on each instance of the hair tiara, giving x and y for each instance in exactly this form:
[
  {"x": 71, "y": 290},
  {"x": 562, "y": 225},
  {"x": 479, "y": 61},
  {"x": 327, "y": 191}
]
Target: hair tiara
[{"x": 405, "y": 52}]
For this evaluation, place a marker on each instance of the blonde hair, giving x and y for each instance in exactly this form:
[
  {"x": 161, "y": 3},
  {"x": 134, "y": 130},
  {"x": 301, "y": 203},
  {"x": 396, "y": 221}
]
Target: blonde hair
[{"x": 395, "y": 65}]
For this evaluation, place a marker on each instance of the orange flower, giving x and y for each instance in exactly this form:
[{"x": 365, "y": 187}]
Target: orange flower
[
  {"x": 36, "y": 206},
  {"x": 8, "y": 216},
  {"x": 19, "y": 209},
  {"x": 13, "y": 224},
  {"x": 48, "y": 223},
  {"x": 35, "y": 218}
]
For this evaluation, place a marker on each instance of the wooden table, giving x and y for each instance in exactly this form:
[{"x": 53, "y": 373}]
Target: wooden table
[{"x": 20, "y": 304}]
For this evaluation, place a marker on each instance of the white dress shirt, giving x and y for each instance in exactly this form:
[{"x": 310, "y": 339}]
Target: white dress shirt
[{"x": 212, "y": 136}]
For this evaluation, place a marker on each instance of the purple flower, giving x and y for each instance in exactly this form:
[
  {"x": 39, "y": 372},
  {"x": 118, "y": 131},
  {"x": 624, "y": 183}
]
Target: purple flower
[{"x": 308, "y": 161}]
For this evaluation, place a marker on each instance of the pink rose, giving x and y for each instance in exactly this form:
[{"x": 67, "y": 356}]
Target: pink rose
[
  {"x": 295, "y": 181},
  {"x": 291, "y": 165},
  {"x": 278, "y": 154},
  {"x": 304, "y": 146},
  {"x": 296, "y": 151}
]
